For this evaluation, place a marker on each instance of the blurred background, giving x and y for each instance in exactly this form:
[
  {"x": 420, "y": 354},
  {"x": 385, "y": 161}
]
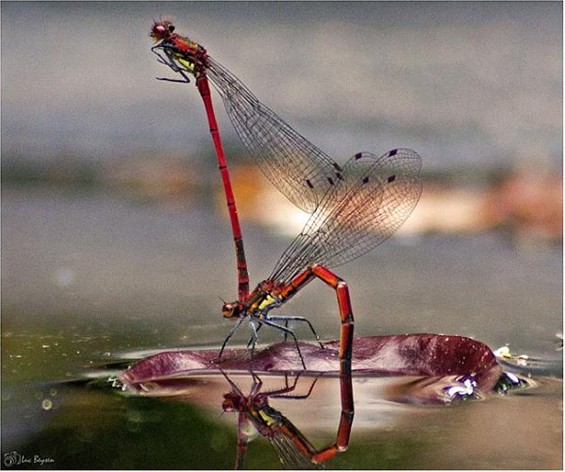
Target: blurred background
[
  {"x": 114, "y": 232},
  {"x": 475, "y": 89}
]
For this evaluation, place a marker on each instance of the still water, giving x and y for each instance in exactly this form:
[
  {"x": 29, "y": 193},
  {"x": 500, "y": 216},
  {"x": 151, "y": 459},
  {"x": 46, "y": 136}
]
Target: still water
[{"x": 93, "y": 281}]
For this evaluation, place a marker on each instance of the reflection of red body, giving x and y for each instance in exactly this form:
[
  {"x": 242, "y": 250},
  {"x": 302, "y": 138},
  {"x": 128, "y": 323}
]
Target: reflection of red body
[{"x": 291, "y": 445}]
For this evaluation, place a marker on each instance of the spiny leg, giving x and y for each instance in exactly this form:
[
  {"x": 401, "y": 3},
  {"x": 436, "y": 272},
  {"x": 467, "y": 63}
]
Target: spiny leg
[
  {"x": 234, "y": 387},
  {"x": 170, "y": 62},
  {"x": 287, "y": 331},
  {"x": 281, "y": 393},
  {"x": 230, "y": 334},
  {"x": 344, "y": 305},
  {"x": 251, "y": 338},
  {"x": 257, "y": 384},
  {"x": 166, "y": 79},
  {"x": 286, "y": 319},
  {"x": 254, "y": 336}
]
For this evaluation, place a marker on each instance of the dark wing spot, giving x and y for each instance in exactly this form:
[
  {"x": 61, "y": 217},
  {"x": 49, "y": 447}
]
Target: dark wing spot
[
  {"x": 359, "y": 155},
  {"x": 337, "y": 167},
  {"x": 365, "y": 179},
  {"x": 339, "y": 176},
  {"x": 309, "y": 183},
  {"x": 393, "y": 152},
  {"x": 392, "y": 178},
  {"x": 330, "y": 180}
]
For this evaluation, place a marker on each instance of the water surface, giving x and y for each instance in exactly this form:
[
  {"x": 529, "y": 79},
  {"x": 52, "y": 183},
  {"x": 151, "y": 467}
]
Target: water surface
[{"x": 91, "y": 279}]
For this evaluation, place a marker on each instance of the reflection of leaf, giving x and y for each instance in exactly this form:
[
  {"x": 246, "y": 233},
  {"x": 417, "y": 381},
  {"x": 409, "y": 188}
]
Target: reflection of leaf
[{"x": 428, "y": 355}]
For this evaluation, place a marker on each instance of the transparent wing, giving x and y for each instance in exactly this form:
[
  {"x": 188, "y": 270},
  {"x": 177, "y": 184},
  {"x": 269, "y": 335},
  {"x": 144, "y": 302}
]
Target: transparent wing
[
  {"x": 289, "y": 455},
  {"x": 370, "y": 202},
  {"x": 297, "y": 168}
]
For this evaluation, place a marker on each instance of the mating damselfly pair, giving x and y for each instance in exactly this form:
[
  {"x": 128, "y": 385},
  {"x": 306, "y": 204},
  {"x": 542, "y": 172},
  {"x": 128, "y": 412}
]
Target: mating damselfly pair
[{"x": 353, "y": 207}]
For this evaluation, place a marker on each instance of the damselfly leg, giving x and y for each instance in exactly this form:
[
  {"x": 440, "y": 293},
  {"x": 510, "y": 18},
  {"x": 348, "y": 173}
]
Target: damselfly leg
[{"x": 292, "y": 447}]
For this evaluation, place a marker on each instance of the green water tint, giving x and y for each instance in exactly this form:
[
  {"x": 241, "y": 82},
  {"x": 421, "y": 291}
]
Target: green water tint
[
  {"x": 115, "y": 308},
  {"x": 179, "y": 424}
]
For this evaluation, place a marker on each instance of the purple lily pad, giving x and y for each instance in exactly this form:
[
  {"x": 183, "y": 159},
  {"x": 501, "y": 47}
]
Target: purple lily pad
[{"x": 428, "y": 355}]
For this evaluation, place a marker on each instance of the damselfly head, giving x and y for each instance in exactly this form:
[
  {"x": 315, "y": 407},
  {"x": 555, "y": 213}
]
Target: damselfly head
[
  {"x": 232, "y": 310},
  {"x": 232, "y": 402},
  {"x": 162, "y": 29}
]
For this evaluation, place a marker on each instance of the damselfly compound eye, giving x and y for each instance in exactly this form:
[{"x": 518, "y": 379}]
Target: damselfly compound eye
[
  {"x": 162, "y": 30},
  {"x": 228, "y": 310},
  {"x": 232, "y": 310}
]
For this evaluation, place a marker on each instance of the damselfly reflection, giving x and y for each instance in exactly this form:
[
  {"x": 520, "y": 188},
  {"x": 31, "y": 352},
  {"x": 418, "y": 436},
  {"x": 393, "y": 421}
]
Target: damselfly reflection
[{"x": 292, "y": 447}]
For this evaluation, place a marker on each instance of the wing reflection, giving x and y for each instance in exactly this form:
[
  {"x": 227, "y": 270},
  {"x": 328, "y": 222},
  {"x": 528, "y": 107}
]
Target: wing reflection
[{"x": 292, "y": 447}]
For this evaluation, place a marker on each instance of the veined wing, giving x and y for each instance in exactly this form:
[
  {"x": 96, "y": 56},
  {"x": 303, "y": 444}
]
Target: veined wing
[
  {"x": 299, "y": 170},
  {"x": 290, "y": 456},
  {"x": 362, "y": 210}
]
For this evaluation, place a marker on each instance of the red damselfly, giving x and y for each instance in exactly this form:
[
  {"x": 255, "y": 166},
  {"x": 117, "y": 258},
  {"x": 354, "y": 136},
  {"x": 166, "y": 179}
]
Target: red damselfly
[
  {"x": 294, "y": 450},
  {"x": 171, "y": 43},
  {"x": 353, "y": 207}
]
